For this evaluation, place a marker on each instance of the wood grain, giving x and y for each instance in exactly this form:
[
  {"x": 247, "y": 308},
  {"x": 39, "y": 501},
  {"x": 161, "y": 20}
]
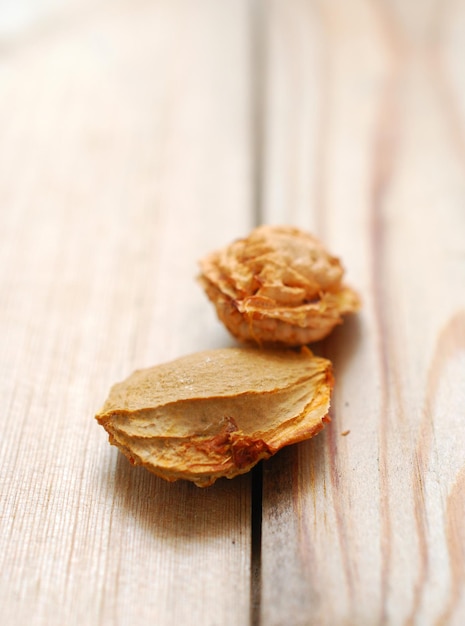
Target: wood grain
[
  {"x": 364, "y": 529},
  {"x": 135, "y": 137},
  {"x": 124, "y": 158}
]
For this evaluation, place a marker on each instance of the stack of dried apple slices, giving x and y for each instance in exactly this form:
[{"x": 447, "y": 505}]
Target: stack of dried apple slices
[{"x": 217, "y": 413}]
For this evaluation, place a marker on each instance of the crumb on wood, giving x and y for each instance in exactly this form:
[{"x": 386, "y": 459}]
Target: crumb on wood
[{"x": 345, "y": 433}]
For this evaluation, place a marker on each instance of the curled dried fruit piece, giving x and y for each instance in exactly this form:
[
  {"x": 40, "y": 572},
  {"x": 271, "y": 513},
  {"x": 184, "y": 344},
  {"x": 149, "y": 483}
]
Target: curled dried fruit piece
[
  {"x": 277, "y": 286},
  {"x": 217, "y": 413}
]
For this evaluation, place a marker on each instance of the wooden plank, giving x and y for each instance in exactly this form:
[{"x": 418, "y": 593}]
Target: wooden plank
[
  {"x": 124, "y": 157},
  {"x": 365, "y": 145}
]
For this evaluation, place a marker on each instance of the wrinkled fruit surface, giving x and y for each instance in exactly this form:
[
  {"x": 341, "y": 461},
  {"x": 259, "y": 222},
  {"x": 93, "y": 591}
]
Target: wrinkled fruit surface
[
  {"x": 277, "y": 286},
  {"x": 217, "y": 413}
]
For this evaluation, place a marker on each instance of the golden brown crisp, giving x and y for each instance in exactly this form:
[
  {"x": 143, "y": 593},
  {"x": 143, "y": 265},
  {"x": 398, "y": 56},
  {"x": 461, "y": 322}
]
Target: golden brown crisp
[
  {"x": 277, "y": 286},
  {"x": 217, "y": 413}
]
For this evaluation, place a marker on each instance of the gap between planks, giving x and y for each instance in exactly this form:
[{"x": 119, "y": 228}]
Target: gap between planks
[{"x": 258, "y": 66}]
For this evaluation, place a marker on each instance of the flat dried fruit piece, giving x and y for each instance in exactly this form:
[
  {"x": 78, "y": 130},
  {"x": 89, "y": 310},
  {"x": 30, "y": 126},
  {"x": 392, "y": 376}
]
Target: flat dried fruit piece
[
  {"x": 217, "y": 413},
  {"x": 277, "y": 286}
]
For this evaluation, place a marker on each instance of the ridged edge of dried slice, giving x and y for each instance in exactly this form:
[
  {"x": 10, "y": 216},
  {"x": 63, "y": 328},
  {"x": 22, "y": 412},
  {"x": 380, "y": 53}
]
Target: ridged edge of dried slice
[{"x": 270, "y": 327}]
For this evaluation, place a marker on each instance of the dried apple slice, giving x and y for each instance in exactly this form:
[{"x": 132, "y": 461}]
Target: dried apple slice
[
  {"x": 218, "y": 412},
  {"x": 277, "y": 286}
]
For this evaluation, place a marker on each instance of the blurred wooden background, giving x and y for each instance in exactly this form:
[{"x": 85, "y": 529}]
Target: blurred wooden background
[{"x": 136, "y": 136}]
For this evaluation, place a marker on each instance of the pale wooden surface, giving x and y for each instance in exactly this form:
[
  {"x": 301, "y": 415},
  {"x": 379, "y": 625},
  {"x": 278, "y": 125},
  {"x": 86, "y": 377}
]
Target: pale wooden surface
[
  {"x": 117, "y": 172},
  {"x": 369, "y": 528},
  {"x": 126, "y": 153}
]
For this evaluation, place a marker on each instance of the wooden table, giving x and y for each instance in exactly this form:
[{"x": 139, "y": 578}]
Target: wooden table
[{"x": 135, "y": 137}]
